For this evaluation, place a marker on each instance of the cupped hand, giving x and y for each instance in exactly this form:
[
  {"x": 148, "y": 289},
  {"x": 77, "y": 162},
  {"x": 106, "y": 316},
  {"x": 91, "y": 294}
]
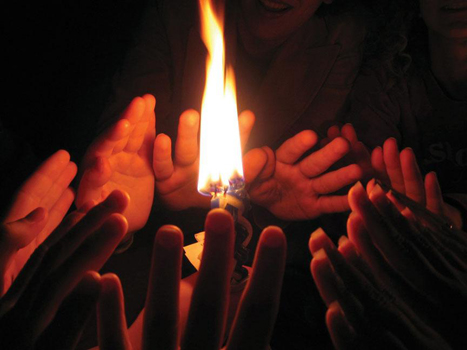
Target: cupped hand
[
  {"x": 401, "y": 172},
  {"x": 293, "y": 188},
  {"x": 205, "y": 325},
  {"x": 424, "y": 264},
  {"x": 177, "y": 176},
  {"x": 361, "y": 313},
  {"x": 121, "y": 159},
  {"x": 48, "y": 304},
  {"x": 36, "y": 210}
]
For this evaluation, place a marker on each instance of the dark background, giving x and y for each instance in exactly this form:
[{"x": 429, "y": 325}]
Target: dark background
[{"x": 58, "y": 63}]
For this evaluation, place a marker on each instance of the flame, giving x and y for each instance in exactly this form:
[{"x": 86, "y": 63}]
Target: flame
[{"x": 220, "y": 149}]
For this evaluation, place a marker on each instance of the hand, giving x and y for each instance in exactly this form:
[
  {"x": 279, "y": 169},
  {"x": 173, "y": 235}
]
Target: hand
[
  {"x": 401, "y": 172},
  {"x": 361, "y": 313},
  {"x": 36, "y": 210},
  {"x": 121, "y": 159},
  {"x": 35, "y": 312},
  {"x": 177, "y": 178},
  {"x": 207, "y": 314},
  {"x": 358, "y": 153},
  {"x": 296, "y": 189},
  {"x": 425, "y": 265}
]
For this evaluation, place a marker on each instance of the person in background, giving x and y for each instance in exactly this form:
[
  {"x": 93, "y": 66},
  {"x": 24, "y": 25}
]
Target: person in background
[{"x": 419, "y": 98}]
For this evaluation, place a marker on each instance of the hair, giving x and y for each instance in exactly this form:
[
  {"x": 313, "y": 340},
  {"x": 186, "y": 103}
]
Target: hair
[
  {"x": 397, "y": 37},
  {"x": 336, "y": 7}
]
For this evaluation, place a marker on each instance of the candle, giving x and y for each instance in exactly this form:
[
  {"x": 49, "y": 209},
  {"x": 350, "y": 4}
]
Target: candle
[{"x": 221, "y": 170}]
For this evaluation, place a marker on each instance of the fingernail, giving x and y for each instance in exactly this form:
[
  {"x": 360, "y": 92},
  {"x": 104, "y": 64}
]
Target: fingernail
[
  {"x": 169, "y": 236},
  {"x": 319, "y": 232},
  {"x": 342, "y": 240},
  {"x": 319, "y": 255}
]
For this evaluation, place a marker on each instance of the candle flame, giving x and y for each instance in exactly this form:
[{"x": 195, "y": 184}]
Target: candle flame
[{"x": 220, "y": 149}]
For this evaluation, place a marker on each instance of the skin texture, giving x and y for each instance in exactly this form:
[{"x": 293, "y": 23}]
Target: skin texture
[
  {"x": 207, "y": 312},
  {"x": 121, "y": 158},
  {"x": 449, "y": 24},
  {"x": 415, "y": 256},
  {"x": 35, "y": 211},
  {"x": 55, "y": 282},
  {"x": 362, "y": 314},
  {"x": 292, "y": 188},
  {"x": 263, "y": 30}
]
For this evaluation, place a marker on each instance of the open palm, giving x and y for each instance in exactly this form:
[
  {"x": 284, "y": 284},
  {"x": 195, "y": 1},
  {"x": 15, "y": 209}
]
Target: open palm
[
  {"x": 297, "y": 189},
  {"x": 121, "y": 159}
]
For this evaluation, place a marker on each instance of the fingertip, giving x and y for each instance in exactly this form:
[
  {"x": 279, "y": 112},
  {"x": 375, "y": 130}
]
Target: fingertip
[
  {"x": 219, "y": 222},
  {"x": 189, "y": 118},
  {"x": 308, "y": 138},
  {"x": 340, "y": 145},
  {"x": 317, "y": 240},
  {"x": 163, "y": 143},
  {"x": 169, "y": 236},
  {"x": 150, "y": 101},
  {"x": 273, "y": 237},
  {"x": 116, "y": 224},
  {"x": 110, "y": 282},
  {"x": 117, "y": 200}
]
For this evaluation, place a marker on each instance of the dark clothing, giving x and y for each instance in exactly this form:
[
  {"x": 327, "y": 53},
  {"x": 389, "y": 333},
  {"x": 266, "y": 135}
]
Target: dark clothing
[
  {"x": 419, "y": 115},
  {"x": 305, "y": 86}
]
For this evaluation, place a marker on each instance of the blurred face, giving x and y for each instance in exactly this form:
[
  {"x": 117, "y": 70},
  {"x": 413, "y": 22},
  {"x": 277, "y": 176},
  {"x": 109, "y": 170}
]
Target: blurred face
[
  {"x": 277, "y": 19},
  {"x": 447, "y": 18}
]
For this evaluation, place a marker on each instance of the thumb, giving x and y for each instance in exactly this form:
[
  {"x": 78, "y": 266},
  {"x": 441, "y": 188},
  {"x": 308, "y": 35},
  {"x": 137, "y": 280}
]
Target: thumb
[
  {"x": 21, "y": 232},
  {"x": 256, "y": 164}
]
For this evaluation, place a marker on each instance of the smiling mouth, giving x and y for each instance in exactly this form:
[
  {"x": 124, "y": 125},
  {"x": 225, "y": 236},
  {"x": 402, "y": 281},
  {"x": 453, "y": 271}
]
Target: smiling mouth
[
  {"x": 455, "y": 7},
  {"x": 275, "y": 6}
]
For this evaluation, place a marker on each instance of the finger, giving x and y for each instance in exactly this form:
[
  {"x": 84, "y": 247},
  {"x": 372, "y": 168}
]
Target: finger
[
  {"x": 64, "y": 332},
  {"x": 246, "y": 121},
  {"x": 413, "y": 181},
  {"x": 348, "y": 132},
  {"x": 255, "y": 164},
  {"x": 140, "y": 127},
  {"x": 206, "y": 319},
  {"x": 434, "y": 196},
  {"x": 342, "y": 334},
  {"x": 90, "y": 255},
  {"x": 111, "y": 321},
  {"x": 382, "y": 233},
  {"x": 318, "y": 240},
  {"x": 29, "y": 270},
  {"x": 254, "y": 322},
  {"x": 94, "y": 177},
  {"x": 318, "y": 162},
  {"x": 114, "y": 137},
  {"x": 186, "y": 146},
  {"x": 163, "y": 165},
  {"x": 60, "y": 185},
  {"x": 336, "y": 180},
  {"x": 292, "y": 149},
  {"x": 57, "y": 213},
  {"x": 321, "y": 271},
  {"x": 161, "y": 319},
  {"x": 393, "y": 164},
  {"x": 333, "y": 204},
  {"x": 414, "y": 245},
  {"x": 20, "y": 233},
  {"x": 363, "y": 158},
  {"x": 36, "y": 187},
  {"x": 333, "y": 132},
  {"x": 377, "y": 162}
]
